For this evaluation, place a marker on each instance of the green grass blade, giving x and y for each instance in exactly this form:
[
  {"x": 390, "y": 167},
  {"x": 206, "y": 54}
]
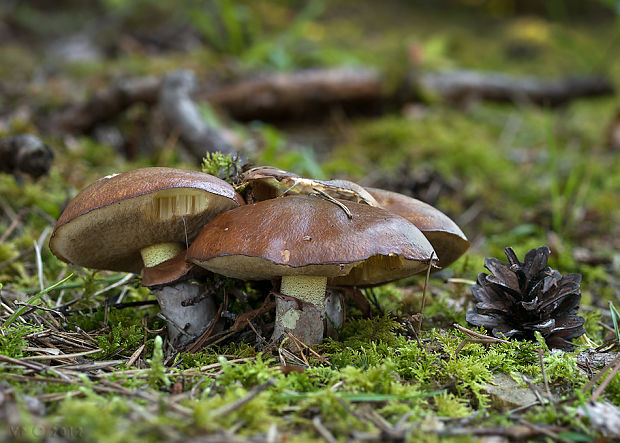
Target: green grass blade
[
  {"x": 34, "y": 299},
  {"x": 80, "y": 283},
  {"x": 615, "y": 318},
  {"x": 363, "y": 397}
]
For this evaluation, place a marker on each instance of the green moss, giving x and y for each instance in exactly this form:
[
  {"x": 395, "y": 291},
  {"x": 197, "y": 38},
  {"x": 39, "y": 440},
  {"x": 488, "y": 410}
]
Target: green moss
[
  {"x": 220, "y": 165},
  {"x": 12, "y": 341},
  {"x": 448, "y": 405},
  {"x": 19, "y": 63},
  {"x": 247, "y": 374},
  {"x": 254, "y": 416},
  {"x": 469, "y": 373},
  {"x": 553, "y": 414},
  {"x": 435, "y": 140},
  {"x": 125, "y": 335},
  {"x": 379, "y": 379},
  {"x": 329, "y": 404},
  {"x": 212, "y": 354},
  {"x": 560, "y": 366},
  {"x": 416, "y": 363},
  {"x": 276, "y": 151},
  {"x": 310, "y": 380},
  {"x": 357, "y": 333},
  {"x": 102, "y": 419},
  {"x": 613, "y": 390},
  {"x": 157, "y": 371},
  {"x": 8, "y": 252}
]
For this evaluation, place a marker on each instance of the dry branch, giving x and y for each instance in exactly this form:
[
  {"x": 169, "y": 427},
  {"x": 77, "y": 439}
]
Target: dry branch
[
  {"x": 464, "y": 86},
  {"x": 173, "y": 93},
  {"x": 108, "y": 103},
  {"x": 290, "y": 96},
  {"x": 312, "y": 93},
  {"x": 361, "y": 90},
  {"x": 183, "y": 115}
]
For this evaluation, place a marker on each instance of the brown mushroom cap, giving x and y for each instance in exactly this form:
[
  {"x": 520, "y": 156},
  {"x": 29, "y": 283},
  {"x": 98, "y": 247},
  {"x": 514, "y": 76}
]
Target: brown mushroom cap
[
  {"x": 306, "y": 235},
  {"x": 107, "y": 224},
  {"x": 446, "y": 237}
]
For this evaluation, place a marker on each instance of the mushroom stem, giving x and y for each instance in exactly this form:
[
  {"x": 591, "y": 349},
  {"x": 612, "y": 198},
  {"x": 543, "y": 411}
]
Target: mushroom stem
[
  {"x": 302, "y": 311},
  {"x": 187, "y": 313},
  {"x": 335, "y": 312},
  {"x": 160, "y": 252},
  {"x": 185, "y": 323}
]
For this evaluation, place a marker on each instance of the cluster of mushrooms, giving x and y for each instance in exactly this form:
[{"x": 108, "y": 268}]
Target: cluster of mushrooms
[{"x": 302, "y": 234}]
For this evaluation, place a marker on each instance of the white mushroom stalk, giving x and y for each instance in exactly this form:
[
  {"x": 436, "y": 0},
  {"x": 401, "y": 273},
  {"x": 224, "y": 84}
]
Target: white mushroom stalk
[
  {"x": 303, "y": 314},
  {"x": 187, "y": 314}
]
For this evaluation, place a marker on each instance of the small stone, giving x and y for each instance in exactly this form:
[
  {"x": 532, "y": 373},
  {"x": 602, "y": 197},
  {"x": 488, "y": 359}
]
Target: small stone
[
  {"x": 507, "y": 394},
  {"x": 605, "y": 417}
]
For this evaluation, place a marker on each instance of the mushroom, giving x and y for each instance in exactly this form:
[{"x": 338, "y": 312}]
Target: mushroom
[
  {"x": 141, "y": 219},
  {"x": 305, "y": 241},
  {"x": 266, "y": 182},
  {"x": 446, "y": 237}
]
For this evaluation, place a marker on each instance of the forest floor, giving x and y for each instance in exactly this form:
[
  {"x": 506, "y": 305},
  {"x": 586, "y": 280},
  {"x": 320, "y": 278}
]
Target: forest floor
[{"x": 79, "y": 355}]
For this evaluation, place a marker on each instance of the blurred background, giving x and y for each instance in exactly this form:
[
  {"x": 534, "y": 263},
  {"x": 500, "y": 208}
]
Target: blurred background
[{"x": 501, "y": 113}]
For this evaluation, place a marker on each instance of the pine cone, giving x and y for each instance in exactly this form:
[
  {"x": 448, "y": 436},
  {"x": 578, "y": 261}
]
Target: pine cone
[{"x": 522, "y": 298}]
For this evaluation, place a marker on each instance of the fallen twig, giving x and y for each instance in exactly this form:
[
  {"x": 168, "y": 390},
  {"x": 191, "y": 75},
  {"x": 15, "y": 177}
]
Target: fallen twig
[
  {"x": 362, "y": 90},
  {"x": 135, "y": 356},
  {"x": 244, "y": 319},
  {"x": 299, "y": 94},
  {"x": 305, "y": 346},
  {"x": 322, "y": 430},
  {"x": 600, "y": 374},
  {"x": 462, "y": 86},
  {"x": 475, "y": 338},
  {"x": 606, "y": 381},
  {"x": 38, "y": 367},
  {"x": 61, "y": 356},
  {"x": 14, "y": 224},
  {"x": 543, "y": 372}
]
